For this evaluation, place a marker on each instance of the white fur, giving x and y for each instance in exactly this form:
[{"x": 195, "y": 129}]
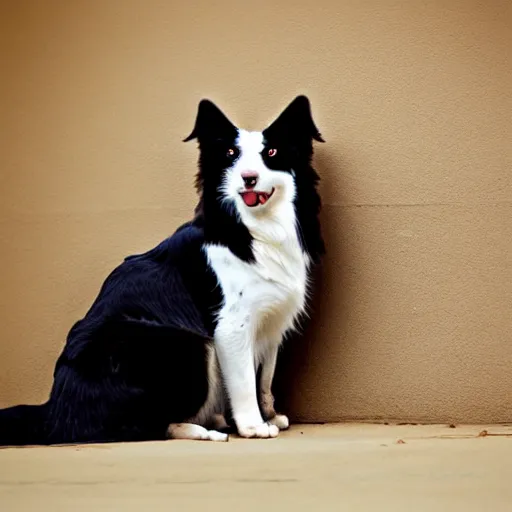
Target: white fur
[
  {"x": 195, "y": 432},
  {"x": 262, "y": 300},
  {"x": 251, "y": 145}
]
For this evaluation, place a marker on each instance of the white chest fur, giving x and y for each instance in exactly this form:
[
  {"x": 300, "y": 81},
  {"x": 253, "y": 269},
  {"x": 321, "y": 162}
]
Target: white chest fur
[
  {"x": 262, "y": 300},
  {"x": 265, "y": 297}
]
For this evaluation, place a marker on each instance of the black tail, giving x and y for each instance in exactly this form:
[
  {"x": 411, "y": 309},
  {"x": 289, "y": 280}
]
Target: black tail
[{"x": 22, "y": 425}]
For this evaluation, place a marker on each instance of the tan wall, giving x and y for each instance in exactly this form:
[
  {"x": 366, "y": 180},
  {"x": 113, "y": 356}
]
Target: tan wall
[{"x": 413, "y": 316}]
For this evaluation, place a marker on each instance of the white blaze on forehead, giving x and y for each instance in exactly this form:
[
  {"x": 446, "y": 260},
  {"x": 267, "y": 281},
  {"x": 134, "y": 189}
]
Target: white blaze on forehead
[{"x": 250, "y": 143}]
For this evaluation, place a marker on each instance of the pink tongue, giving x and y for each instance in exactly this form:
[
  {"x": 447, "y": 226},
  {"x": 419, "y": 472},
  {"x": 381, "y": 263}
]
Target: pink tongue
[{"x": 250, "y": 198}]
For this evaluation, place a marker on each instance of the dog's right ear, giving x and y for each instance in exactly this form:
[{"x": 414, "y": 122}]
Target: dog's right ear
[{"x": 211, "y": 123}]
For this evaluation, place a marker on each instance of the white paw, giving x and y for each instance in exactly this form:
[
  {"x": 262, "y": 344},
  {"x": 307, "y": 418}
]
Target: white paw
[
  {"x": 261, "y": 431},
  {"x": 213, "y": 435},
  {"x": 194, "y": 432},
  {"x": 280, "y": 421}
]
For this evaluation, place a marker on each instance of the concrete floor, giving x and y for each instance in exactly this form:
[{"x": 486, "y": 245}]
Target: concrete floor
[{"x": 348, "y": 467}]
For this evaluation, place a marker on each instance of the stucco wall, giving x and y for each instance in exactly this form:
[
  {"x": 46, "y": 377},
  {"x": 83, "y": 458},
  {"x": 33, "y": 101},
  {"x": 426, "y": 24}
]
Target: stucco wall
[{"x": 412, "y": 318}]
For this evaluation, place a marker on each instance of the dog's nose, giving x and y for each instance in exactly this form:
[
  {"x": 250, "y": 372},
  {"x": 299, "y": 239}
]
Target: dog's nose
[{"x": 250, "y": 179}]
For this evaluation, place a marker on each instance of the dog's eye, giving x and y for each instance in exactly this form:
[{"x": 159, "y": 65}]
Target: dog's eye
[
  {"x": 272, "y": 152},
  {"x": 231, "y": 152}
]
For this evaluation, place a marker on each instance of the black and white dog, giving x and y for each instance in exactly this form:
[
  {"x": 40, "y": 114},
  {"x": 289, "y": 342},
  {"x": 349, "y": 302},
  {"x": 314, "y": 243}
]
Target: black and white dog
[{"x": 182, "y": 340}]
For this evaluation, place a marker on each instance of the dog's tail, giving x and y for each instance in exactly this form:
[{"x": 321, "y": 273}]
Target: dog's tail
[{"x": 22, "y": 425}]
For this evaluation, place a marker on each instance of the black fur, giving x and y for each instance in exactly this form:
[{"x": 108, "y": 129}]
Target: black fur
[
  {"x": 137, "y": 361},
  {"x": 292, "y": 132},
  {"x": 215, "y": 135}
]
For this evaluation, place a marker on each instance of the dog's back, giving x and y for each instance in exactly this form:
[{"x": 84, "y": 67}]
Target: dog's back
[{"x": 137, "y": 361}]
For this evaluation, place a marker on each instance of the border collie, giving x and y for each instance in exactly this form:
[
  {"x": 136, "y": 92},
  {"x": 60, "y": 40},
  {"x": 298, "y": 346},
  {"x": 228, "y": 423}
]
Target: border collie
[{"x": 177, "y": 337}]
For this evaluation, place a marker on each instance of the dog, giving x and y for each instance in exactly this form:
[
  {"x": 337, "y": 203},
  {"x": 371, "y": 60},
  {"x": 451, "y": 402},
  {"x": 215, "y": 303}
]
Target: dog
[{"x": 173, "y": 345}]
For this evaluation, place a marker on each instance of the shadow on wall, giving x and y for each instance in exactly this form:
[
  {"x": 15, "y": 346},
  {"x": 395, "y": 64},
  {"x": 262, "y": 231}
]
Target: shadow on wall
[{"x": 300, "y": 370}]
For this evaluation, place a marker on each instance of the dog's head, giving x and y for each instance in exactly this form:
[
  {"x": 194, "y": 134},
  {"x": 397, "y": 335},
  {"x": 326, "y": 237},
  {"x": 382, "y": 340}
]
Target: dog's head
[{"x": 252, "y": 174}]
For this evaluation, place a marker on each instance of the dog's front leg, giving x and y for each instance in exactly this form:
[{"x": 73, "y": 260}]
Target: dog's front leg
[{"x": 235, "y": 351}]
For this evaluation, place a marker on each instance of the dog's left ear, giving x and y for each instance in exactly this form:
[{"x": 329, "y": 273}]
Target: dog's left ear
[{"x": 296, "y": 121}]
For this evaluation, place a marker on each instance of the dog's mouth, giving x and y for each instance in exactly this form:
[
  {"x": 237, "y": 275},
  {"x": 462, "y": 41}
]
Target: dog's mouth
[{"x": 254, "y": 198}]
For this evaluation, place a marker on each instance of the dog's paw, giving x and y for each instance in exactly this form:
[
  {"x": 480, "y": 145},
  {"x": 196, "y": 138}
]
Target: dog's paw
[
  {"x": 194, "y": 432},
  {"x": 213, "y": 435},
  {"x": 280, "y": 421},
  {"x": 261, "y": 431}
]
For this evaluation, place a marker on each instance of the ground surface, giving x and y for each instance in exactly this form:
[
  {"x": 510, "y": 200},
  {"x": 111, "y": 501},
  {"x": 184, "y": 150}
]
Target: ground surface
[{"x": 351, "y": 467}]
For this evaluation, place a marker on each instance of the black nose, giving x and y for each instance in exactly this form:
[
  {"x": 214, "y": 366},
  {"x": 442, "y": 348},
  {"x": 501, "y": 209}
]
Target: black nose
[{"x": 250, "y": 181}]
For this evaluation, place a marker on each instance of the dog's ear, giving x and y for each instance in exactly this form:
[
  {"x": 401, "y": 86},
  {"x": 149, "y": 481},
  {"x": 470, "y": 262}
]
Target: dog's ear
[
  {"x": 211, "y": 123},
  {"x": 296, "y": 121}
]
